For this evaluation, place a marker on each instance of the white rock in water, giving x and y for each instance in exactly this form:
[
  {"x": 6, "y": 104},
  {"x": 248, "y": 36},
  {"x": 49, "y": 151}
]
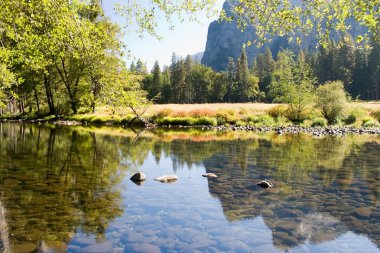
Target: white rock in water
[
  {"x": 166, "y": 178},
  {"x": 209, "y": 175}
]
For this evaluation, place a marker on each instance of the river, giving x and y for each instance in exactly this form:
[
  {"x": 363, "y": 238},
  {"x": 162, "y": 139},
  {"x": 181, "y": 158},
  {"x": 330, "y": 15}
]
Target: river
[{"x": 67, "y": 189}]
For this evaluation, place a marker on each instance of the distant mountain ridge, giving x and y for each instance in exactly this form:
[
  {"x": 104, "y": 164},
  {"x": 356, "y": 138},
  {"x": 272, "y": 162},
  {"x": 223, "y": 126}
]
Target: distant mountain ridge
[
  {"x": 197, "y": 57},
  {"x": 225, "y": 39}
]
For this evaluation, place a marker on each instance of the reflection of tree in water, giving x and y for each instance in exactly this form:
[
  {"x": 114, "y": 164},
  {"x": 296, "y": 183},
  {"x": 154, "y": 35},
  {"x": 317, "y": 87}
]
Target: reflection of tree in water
[
  {"x": 56, "y": 181},
  {"x": 324, "y": 187}
]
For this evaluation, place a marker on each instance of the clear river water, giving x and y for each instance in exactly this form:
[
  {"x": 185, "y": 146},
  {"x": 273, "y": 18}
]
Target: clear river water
[{"x": 67, "y": 189}]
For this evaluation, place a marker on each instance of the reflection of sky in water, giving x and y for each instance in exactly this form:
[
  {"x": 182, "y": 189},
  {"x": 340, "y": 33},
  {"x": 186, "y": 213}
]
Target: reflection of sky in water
[{"x": 184, "y": 217}]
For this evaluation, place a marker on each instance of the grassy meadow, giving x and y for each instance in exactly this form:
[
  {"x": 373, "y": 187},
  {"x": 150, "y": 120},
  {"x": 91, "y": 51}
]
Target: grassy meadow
[{"x": 358, "y": 114}]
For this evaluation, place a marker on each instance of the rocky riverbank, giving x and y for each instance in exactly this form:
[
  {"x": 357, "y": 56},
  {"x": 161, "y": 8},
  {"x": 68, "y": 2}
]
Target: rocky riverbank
[
  {"x": 316, "y": 131},
  {"x": 293, "y": 129}
]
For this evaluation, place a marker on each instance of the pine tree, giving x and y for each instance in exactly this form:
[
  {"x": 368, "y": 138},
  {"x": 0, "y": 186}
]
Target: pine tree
[
  {"x": 141, "y": 68},
  {"x": 265, "y": 68},
  {"x": 360, "y": 76},
  {"x": 374, "y": 71},
  {"x": 166, "y": 86},
  {"x": 242, "y": 77},
  {"x": 188, "y": 88},
  {"x": 345, "y": 61},
  {"x": 174, "y": 79},
  {"x": 231, "y": 80},
  {"x": 157, "y": 80},
  {"x": 132, "y": 68},
  {"x": 325, "y": 66}
]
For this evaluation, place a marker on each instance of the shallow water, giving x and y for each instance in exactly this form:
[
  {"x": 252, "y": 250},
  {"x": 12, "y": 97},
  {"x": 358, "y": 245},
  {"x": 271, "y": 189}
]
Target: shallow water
[{"x": 67, "y": 189}]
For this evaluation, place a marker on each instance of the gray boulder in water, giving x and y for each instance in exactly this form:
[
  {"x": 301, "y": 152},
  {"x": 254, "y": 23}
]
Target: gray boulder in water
[
  {"x": 166, "y": 178},
  {"x": 266, "y": 184},
  {"x": 138, "y": 177}
]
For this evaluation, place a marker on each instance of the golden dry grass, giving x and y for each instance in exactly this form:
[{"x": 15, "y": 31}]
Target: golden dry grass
[
  {"x": 371, "y": 106},
  {"x": 210, "y": 109}
]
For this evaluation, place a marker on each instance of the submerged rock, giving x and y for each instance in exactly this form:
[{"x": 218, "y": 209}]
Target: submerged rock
[
  {"x": 209, "y": 175},
  {"x": 266, "y": 184},
  {"x": 166, "y": 178},
  {"x": 138, "y": 177}
]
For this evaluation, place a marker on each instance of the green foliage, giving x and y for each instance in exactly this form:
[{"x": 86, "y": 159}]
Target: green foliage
[
  {"x": 278, "y": 110},
  {"x": 62, "y": 56},
  {"x": 331, "y": 100},
  {"x": 293, "y": 84},
  {"x": 319, "y": 122},
  {"x": 187, "y": 121},
  {"x": 376, "y": 115},
  {"x": 290, "y": 18},
  {"x": 370, "y": 123},
  {"x": 262, "y": 120},
  {"x": 226, "y": 117},
  {"x": 355, "y": 117}
]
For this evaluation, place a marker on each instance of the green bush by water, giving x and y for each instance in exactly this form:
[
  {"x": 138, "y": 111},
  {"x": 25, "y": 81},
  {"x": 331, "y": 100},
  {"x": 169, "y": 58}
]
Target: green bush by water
[{"x": 319, "y": 122}]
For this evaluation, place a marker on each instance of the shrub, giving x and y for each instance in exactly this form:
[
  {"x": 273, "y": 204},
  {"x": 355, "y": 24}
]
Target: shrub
[
  {"x": 376, "y": 115},
  {"x": 206, "y": 121},
  {"x": 332, "y": 100},
  {"x": 164, "y": 112},
  {"x": 263, "y": 120},
  {"x": 278, "y": 111},
  {"x": 319, "y": 122},
  {"x": 226, "y": 116},
  {"x": 240, "y": 123},
  {"x": 50, "y": 117},
  {"x": 354, "y": 116},
  {"x": 99, "y": 119},
  {"x": 282, "y": 121}
]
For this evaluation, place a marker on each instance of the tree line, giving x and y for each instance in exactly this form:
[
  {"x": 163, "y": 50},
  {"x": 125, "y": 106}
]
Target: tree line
[
  {"x": 184, "y": 81},
  {"x": 62, "y": 57}
]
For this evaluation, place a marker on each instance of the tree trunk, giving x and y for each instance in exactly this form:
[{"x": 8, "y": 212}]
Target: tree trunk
[
  {"x": 37, "y": 100},
  {"x": 49, "y": 94}
]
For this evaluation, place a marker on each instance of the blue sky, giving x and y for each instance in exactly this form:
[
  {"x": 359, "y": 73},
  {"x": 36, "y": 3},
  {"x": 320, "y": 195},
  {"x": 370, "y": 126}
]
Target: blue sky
[{"x": 186, "y": 38}]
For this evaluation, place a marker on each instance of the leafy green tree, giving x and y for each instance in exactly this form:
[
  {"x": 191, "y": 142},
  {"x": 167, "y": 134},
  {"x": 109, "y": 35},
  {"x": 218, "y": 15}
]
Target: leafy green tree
[
  {"x": 293, "y": 84},
  {"x": 202, "y": 80},
  {"x": 331, "y": 100},
  {"x": 288, "y": 17},
  {"x": 219, "y": 87}
]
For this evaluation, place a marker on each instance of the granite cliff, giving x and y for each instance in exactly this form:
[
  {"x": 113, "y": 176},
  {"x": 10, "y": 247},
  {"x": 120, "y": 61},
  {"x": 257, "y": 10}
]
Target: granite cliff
[{"x": 225, "y": 40}]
